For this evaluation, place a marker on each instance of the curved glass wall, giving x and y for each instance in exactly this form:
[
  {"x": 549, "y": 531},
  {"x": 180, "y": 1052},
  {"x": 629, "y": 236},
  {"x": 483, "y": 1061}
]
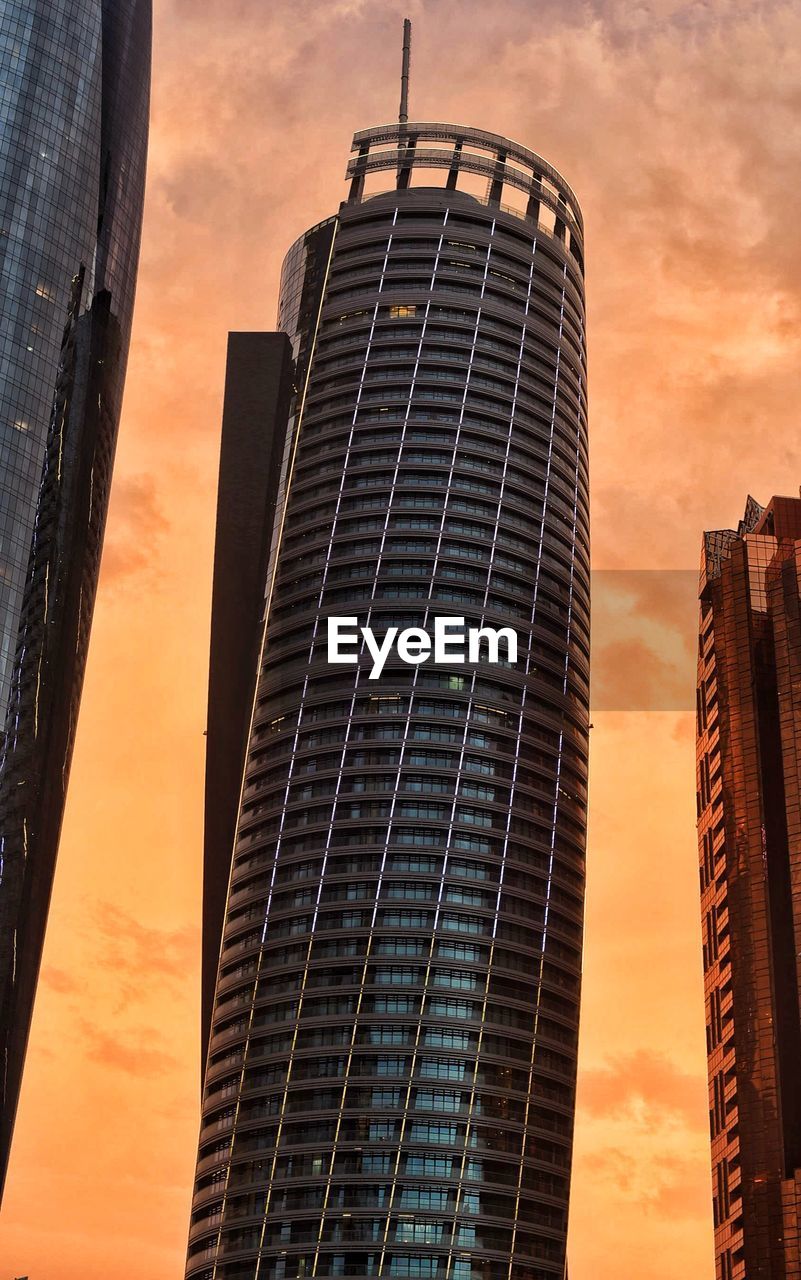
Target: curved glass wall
[
  {"x": 391, "y": 1074},
  {"x": 75, "y": 102},
  {"x": 49, "y": 163}
]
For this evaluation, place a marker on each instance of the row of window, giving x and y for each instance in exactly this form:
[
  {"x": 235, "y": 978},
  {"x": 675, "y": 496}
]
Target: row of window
[
  {"x": 381, "y": 1099},
  {"x": 361, "y": 223},
  {"x": 551, "y": 321},
  {"x": 360, "y": 758},
  {"x": 518, "y": 511},
  {"x": 450, "y": 327},
  {"x": 477, "y": 1136},
  {"x": 432, "y": 365},
  {"x": 469, "y": 257},
  {"x": 315, "y": 522},
  {"x": 439, "y": 376},
  {"x": 305, "y": 1043},
  {"x": 361, "y": 1065},
  {"x": 378, "y": 331},
  {"x": 350, "y": 324},
  {"x": 402, "y": 1197},
  {"x": 516, "y": 256},
  {"x": 437, "y": 734},
  {"x": 407, "y": 1267},
  {"x": 377, "y": 1231},
  {"x": 380, "y": 352},
  {"x": 474, "y": 686},
  {"x": 344, "y": 430},
  {"x": 479, "y": 445},
  {"x": 469, "y": 712},
  {"x": 547, "y": 545}
]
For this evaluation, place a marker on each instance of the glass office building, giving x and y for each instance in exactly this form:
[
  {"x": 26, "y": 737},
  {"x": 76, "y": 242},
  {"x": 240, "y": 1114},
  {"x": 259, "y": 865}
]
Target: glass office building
[
  {"x": 75, "y": 97},
  {"x": 392, "y": 957},
  {"x": 749, "y": 840}
]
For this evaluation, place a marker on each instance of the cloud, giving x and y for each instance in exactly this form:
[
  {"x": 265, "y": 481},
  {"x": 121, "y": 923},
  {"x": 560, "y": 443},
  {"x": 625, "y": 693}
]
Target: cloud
[
  {"x": 674, "y": 1187},
  {"x": 135, "y": 1052},
  {"x": 58, "y": 980},
  {"x": 644, "y": 1139},
  {"x": 138, "y": 949},
  {"x": 644, "y": 639},
  {"x": 629, "y": 675},
  {"x": 676, "y": 122},
  {"x": 136, "y": 529},
  {"x": 646, "y": 1085}
]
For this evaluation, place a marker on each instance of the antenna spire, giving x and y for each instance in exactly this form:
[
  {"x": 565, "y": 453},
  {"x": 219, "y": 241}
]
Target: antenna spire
[{"x": 403, "y": 115}]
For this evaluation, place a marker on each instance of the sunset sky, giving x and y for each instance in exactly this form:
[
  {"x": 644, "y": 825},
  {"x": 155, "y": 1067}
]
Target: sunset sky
[{"x": 679, "y": 127}]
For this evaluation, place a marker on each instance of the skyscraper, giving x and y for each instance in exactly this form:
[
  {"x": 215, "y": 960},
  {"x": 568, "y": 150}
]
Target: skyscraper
[
  {"x": 749, "y": 839},
  {"x": 392, "y": 959},
  {"x": 76, "y": 79}
]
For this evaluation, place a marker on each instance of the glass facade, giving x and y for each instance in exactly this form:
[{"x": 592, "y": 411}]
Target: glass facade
[
  {"x": 75, "y": 100},
  {"x": 49, "y": 162},
  {"x": 749, "y": 825},
  {"x": 390, "y": 1079}
]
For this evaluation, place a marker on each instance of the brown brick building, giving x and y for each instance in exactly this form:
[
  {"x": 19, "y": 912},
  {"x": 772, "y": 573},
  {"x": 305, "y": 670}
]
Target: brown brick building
[{"x": 749, "y": 838}]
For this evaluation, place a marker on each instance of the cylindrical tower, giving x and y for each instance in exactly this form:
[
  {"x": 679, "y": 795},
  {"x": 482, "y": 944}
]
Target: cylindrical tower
[{"x": 391, "y": 1072}]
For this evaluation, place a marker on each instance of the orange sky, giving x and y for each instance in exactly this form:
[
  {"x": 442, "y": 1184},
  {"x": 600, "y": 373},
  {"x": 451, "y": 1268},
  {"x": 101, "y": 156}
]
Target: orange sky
[{"x": 678, "y": 126}]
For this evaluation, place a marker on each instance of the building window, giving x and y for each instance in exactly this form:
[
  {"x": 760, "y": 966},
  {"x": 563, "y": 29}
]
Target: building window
[{"x": 402, "y": 311}]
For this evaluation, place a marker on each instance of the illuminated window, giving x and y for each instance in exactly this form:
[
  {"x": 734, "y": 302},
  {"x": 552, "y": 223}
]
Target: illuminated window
[
  {"x": 402, "y": 312},
  {"x": 352, "y": 315}
]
